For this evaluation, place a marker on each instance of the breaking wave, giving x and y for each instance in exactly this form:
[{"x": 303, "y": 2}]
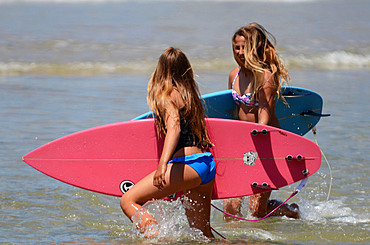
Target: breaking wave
[
  {"x": 103, "y": 1},
  {"x": 337, "y": 60}
]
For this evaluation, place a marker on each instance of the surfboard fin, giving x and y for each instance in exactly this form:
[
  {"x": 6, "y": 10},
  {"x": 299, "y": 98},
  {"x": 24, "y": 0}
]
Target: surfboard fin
[
  {"x": 255, "y": 132},
  {"x": 263, "y": 186},
  {"x": 313, "y": 114},
  {"x": 298, "y": 158}
]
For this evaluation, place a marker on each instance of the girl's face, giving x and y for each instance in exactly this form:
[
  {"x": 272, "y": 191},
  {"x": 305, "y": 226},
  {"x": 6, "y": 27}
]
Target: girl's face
[{"x": 238, "y": 46}]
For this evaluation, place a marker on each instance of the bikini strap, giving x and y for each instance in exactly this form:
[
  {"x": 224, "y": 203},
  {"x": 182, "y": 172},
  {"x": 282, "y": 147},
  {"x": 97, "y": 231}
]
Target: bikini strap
[{"x": 236, "y": 77}]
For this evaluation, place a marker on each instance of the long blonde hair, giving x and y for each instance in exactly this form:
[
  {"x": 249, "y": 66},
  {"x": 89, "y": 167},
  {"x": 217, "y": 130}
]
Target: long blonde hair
[
  {"x": 260, "y": 54},
  {"x": 174, "y": 72}
]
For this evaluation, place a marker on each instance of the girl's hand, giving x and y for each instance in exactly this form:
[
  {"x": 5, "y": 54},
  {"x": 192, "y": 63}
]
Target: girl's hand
[{"x": 159, "y": 176}]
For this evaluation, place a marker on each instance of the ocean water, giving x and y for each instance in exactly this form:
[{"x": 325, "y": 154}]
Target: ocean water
[{"x": 70, "y": 65}]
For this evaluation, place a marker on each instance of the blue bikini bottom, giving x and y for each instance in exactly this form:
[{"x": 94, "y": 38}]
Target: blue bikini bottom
[{"x": 202, "y": 163}]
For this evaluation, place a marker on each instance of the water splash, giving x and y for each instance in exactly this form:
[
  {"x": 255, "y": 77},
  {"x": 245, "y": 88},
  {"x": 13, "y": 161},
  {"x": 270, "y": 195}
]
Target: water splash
[{"x": 172, "y": 224}]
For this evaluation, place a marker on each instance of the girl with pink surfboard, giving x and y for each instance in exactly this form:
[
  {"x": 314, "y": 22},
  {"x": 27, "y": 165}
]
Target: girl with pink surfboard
[
  {"x": 185, "y": 163},
  {"x": 255, "y": 85}
]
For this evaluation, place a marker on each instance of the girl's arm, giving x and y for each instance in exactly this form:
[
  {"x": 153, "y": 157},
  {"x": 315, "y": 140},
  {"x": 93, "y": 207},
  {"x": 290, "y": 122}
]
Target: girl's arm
[
  {"x": 266, "y": 99},
  {"x": 172, "y": 122}
]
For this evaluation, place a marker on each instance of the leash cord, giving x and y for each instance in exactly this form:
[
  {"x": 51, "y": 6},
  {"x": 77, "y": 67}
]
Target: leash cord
[
  {"x": 252, "y": 220},
  {"x": 327, "y": 162},
  {"x": 218, "y": 233},
  {"x": 301, "y": 185}
]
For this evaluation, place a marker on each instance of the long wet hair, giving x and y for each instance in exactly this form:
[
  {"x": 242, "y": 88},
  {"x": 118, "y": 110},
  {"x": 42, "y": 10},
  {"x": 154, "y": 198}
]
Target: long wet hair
[
  {"x": 260, "y": 54},
  {"x": 174, "y": 72}
]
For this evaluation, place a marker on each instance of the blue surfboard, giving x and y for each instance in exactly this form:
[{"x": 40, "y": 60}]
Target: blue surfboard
[{"x": 301, "y": 112}]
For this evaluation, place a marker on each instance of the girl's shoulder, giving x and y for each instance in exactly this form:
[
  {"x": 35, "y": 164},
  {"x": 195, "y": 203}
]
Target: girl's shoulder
[
  {"x": 232, "y": 76},
  {"x": 234, "y": 72},
  {"x": 177, "y": 98},
  {"x": 267, "y": 75},
  {"x": 266, "y": 78},
  {"x": 268, "y": 82}
]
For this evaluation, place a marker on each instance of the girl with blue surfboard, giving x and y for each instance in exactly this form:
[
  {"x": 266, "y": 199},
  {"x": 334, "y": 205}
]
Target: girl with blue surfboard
[
  {"x": 255, "y": 85},
  {"x": 185, "y": 163}
]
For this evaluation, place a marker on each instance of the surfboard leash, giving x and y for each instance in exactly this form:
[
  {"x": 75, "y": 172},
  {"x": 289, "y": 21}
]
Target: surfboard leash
[
  {"x": 314, "y": 131},
  {"x": 218, "y": 233},
  {"x": 301, "y": 185}
]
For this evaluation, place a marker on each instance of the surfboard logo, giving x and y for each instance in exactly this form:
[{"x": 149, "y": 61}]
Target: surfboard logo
[
  {"x": 249, "y": 158},
  {"x": 126, "y": 185}
]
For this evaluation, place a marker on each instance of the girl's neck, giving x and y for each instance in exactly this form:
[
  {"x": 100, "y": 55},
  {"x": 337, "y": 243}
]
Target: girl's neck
[{"x": 246, "y": 71}]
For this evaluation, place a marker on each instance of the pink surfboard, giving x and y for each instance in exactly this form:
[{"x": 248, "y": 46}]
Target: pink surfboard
[{"x": 109, "y": 159}]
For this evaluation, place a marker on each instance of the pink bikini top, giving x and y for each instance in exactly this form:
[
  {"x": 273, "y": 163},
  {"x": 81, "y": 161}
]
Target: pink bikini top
[{"x": 246, "y": 99}]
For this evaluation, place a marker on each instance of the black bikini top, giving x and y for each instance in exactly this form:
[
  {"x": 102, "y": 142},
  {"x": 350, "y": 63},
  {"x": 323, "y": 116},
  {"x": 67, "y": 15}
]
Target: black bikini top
[{"x": 187, "y": 137}]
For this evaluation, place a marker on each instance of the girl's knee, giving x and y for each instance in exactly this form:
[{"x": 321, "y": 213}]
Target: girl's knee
[
  {"x": 123, "y": 202},
  {"x": 126, "y": 203}
]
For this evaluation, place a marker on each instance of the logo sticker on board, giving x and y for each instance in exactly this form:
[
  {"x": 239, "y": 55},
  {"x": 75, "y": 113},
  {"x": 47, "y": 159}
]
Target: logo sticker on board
[
  {"x": 126, "y": 185},
  {"x": 249, "y": 158}
]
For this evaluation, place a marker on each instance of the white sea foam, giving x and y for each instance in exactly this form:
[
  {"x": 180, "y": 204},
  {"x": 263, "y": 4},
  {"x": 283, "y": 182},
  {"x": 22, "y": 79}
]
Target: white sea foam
[
  {"x": 73, "y": 68},
  {"x": 102, "y": 1},
  {"x": 332, "y": 60},
  {"x": 61, "y": 1},
  {"x": 337, "y": 60},
  {"x": 332, "y": 211}
]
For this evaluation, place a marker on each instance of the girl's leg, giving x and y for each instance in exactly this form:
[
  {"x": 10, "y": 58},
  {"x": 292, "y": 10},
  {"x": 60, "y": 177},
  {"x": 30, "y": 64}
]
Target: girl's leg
[
  {"x": 291, "y": 211},
  {"x": 258, "y": 204},
  {"x": 178, "y": 177},
  {"x": 232, "y": 206},
  {"x": 197, "y": 204}
]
